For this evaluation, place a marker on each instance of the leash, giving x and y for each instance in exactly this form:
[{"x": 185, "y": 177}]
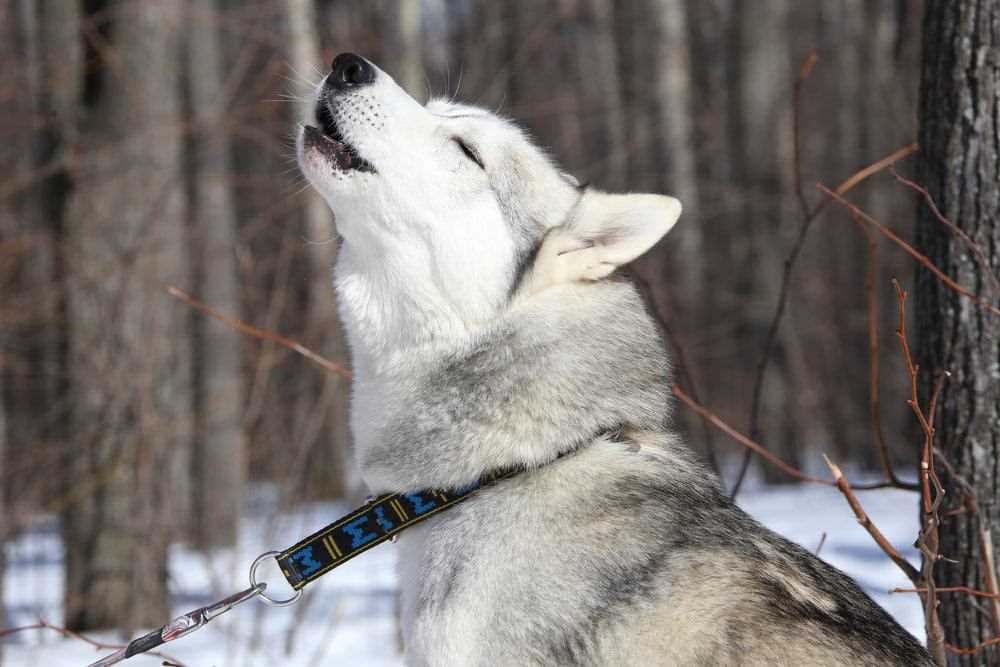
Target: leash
[{"x": 381, "y": 519}]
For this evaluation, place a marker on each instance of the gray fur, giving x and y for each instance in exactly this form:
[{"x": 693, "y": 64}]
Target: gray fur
[
  {"x": 485, "y": 337},
  {"x": 613, "y": 554}
]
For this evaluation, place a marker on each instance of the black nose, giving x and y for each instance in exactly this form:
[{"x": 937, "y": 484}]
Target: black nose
[{"x": 349, "y": 70}]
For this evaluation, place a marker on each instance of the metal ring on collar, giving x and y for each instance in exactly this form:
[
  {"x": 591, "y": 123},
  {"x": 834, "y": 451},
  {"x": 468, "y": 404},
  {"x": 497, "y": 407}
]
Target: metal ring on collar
[{"x": 267, "y": 598}]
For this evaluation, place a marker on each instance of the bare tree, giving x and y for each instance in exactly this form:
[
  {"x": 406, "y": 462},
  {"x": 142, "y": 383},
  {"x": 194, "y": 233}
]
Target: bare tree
[
  {"x": 407, "y": 22},
  {"x": 960, "y": 160},
  {"x": 8, "y": 216},
  {"x": 765, "y": 168},
  {"x": 219, "y": 465},
  {"x": 129, "y": 348},
  {"x": 43, "y": 93},
  {"x": 323, "y": 419}
]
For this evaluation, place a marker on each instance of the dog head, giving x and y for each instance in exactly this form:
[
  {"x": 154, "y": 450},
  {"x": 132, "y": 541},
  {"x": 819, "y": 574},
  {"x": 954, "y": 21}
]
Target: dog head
[{"x": 447, "y": 210}]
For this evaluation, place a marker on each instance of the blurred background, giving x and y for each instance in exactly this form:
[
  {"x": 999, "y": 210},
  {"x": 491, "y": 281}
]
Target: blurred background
[{"x": 149, "y": 143}]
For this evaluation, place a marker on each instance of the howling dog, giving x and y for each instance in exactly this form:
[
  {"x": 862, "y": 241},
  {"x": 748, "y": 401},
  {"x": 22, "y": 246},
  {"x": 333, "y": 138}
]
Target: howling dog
[{"x": 489, "y": 333}]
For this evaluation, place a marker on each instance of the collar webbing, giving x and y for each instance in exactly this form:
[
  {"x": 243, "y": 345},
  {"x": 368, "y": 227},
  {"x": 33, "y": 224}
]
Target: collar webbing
[{"x": 379, "y": 520}]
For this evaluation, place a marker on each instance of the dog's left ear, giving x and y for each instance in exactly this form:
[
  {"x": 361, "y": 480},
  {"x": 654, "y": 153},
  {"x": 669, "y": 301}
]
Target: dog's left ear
[{"x": 605, "y": 231}]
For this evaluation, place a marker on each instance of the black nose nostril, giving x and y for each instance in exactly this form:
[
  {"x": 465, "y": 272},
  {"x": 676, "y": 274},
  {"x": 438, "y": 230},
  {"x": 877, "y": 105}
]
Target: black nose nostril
[
  {"x": 350, "y": 70},
  {"x": 353, "y": 73}
]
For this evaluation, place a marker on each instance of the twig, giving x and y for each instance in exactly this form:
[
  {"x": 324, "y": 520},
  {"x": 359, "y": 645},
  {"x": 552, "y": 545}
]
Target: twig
[
  {"x": 845, "y": 488},
  {"x": 790, "y": 470},
  {"x": 807, "y": 218},
  {"x": 874, "y": 408},
  {"x": 928, "y": 541},
  {"x": 949, "y": 589},
  {"x": 975, "y": 649},
  {"x": 42, "y": 624},
  {"x": 888, "y": 233},
  {"x": 253, "y": 331},
  {"x": 779, "y": 311},
  {"x": 976, "y": 249},
  {"x": 822, "y": 541},
  {"x": 804, "y": 72},
  {"x": 716, "y": 421},
  {"x": 990, "y": 574}
]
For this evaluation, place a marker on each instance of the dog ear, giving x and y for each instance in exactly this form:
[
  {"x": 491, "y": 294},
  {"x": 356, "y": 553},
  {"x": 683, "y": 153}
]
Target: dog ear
[{"x": 604, "y": 232}]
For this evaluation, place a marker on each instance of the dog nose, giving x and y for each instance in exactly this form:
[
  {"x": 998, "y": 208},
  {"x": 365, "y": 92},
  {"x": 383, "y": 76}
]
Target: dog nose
[{"x": 349, "y": 70}]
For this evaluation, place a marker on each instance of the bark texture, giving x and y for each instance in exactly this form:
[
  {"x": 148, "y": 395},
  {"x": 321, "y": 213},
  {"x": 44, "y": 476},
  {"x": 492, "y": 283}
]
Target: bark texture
[
  {"x": 219, "y": 464},
  {"x": 960, "y": 166},
  {"x": 129, "y": 344},
  {"x": 323, "y": 433}
]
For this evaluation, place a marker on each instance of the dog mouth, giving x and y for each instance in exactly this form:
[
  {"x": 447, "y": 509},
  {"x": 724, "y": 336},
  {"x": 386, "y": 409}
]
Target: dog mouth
[{"x": 331, "y": 144}]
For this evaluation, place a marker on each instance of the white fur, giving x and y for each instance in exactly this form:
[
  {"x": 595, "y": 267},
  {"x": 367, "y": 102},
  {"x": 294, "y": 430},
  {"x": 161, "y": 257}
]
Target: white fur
[{"x": 485, "y": 336}]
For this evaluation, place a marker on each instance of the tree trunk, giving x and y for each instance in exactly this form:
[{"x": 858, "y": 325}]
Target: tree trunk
[
  {"x": 960, "y": 166},
  {"x": 10, "y": 27},
  {"x": 40, "y": 103},
  {"x": 129, "y": 357},
  {"x": 219, "y": 463},
  {"x": 324, "y": 432},
  {"x": 766, "y": 169},
  {"x": 563, "y": 83},
  {"x": 407, "y": 19}
]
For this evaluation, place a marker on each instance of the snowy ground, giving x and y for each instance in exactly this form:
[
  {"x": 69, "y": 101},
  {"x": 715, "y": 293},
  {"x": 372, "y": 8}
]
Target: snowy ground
[{"x": 346, "y": 618}]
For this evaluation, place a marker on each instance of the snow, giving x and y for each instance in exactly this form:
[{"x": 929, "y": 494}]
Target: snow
[{"x": 347, "y": 617}]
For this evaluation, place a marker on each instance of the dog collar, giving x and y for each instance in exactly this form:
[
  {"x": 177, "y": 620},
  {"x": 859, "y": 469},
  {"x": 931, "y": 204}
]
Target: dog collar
[{"x": 379, "y": 520}]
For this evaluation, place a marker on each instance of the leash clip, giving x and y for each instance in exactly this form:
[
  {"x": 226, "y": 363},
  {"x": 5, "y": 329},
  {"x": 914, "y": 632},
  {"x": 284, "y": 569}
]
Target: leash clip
[{"x": 181, "y": 626}]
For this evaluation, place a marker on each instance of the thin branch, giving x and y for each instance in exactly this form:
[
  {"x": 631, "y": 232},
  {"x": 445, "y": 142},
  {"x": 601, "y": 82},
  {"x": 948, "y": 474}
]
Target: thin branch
[
  {"x": 822, "y": 541},
  {"x": 975, "y": 649},
  {"x": 845, "y": 488},
  {"x": 804, "y": 71},
  {"x": 790, "y": 470},
  {"x": 928, "y": 541},
  {"x": 42, "y": 624},
  {"x": 888, "y": 233},
  {"x": 990, "y": 573},
  {"x": 949, "y": 589},
  {"x": 874, "y": 408},
  {"x": 779, "y": 311},
  {"x": 716, "y": 421},
  {"x": 253, "y": 331},
  {"x": 976, "y": 249},
  {"x": 807, "y": 217},
  {"x": 874, "y": 168}
]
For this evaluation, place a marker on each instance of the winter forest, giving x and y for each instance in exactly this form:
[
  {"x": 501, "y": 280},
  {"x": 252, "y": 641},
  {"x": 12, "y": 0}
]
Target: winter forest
[{"x": 831, "y": 289}]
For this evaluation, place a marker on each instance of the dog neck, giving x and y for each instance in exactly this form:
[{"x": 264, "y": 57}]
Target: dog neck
[{"x": 401, "y": 311}]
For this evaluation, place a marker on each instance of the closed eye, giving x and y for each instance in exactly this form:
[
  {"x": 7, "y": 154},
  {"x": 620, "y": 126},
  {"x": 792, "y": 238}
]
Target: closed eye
[{"x": 470, "y": 152}]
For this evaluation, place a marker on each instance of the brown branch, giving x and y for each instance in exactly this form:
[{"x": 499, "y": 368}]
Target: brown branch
[
  {"x": 949, "y": 589},
  {"x": 790, "y": 470},
  {"x": 888, "y": 233},
  {"x": 716, "y": 421},
  {"x": 976, "y": 249},
  {"x": 804, "y": 71},
  {"x": 845, "y": 488},
  {"x": 975, "y": 649},
  {"x": 874, "y": 408},
  {"x": 874, "y": 168},
  {"x": 928, "y": 541},
  {"x": 253, "y": 331},
  {"x": 990, "y": 574},
  {"x": 779, "y": 311},
  {"x": 42, "y": 624}
]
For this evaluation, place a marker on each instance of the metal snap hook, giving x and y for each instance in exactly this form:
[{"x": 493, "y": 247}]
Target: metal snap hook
[{"x": 264, "y": 596}]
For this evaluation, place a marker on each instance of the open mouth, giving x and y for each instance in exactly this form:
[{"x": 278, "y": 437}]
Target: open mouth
[{"x": 329, "y": 141}]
